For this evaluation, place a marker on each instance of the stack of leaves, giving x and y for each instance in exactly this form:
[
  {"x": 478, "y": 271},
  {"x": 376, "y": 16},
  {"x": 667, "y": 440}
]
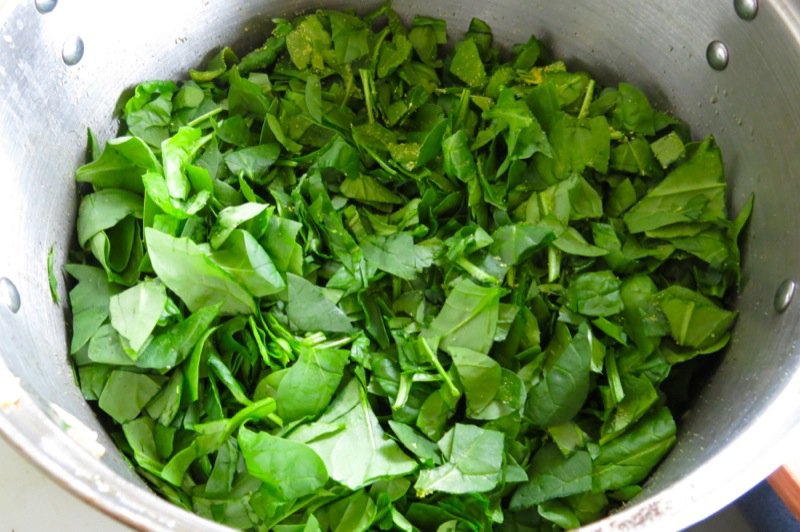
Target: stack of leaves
[{"x": 356, "y": 279}]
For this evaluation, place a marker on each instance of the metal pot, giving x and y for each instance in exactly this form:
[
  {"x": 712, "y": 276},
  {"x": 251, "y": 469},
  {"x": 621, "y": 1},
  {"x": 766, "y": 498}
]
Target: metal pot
[{"x": 63, "y": 67}]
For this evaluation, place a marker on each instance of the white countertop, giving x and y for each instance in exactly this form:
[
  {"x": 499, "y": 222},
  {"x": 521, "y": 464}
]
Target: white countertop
[{"x": 31, "y": 502}]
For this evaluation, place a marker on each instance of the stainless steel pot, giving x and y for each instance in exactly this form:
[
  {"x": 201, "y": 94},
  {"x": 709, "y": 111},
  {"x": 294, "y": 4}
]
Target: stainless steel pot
[{"x": 63, "y": 67}]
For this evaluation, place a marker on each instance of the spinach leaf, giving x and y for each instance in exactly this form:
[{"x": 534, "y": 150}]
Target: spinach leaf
[
  {"x": 126, "y": 393},
  {"x": 136, "y": 311},
  {"x": 564, "y": 385},
  {"x": 290, "y": 468},
  {"x": 693, "y": 192},
  {"x": 188, "y": 270},
  {"x": 694, "y": 320},
  {"x": 310, "y": 310},
  {"x": 468, "y": 318},
  {"x": 89, "y": 301},
  {"x": 105, "y": 209},
  {"x": 120, "y": 165},
  {"x": 378, "y": 456},
  {"x": 595, "y": 294},
  {"x": 243, "y": 258},
  {"x": 629, "y": 458},
  {"x": 51, "y": 276},
  {"x": 309, "y": 384},
  {"x": 474, "y": 462},
  {"x": 553, "y": 475}
]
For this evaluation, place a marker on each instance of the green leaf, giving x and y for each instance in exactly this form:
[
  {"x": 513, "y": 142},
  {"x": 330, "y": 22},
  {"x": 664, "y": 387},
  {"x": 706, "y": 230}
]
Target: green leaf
[
  {"x": 422, "y": 447},
  {"x": 252, "y": 162},
  {"x": 368, "y": 189},
  {"x": 244, "y": 96},
  {"x": 594, "y": 294},
  {"x": 172, "y": 346},
  {"x": 291, "y": 469},
  {"x": 634, "y": 156},
  {"x": 467, "y": 65},
  {"x": 314, "y": 97},
  {"x": 474, "y": 462},
  {"x": 121, "y": 165},
  {"x": 89, "y": 301},
  {"x": 310, "y": 310},
  {"x": 458, "y": 160},
  {"x": 105, "y": 347},
  {"x": 668, "y": 149},
  {"x": 468, "y": 318},
  {"x": 640, "y": 395},
  {"x": 576, "y": 144},
  {"x": 633, "y": 112},
  {"x": 308, "y": 42},
  {"x": 481, "y": 377},
  {"x": 52, "y": 279},
  {"x": 350, "y": 37},
  {"x": 515, "y": 243},
  {"x": 243, "y": 258},
  {"x": 216, "y": 67},
  {"x": 187, "y": 269},
  {"x": 105, "y": 209},
  {"x": 378, "y": 455},
  {"x": 232, "y": 217},
  {"x": 136, "y": 311},
  {"x": 693, "y": 192},
  {"x": 393, "y": 254},
  {"x": 694, "y": 320},
  {"x": 552, "y": 476},
  {"x": 149, "y": 111},
  {"x": 177, "y": 152},
  {"x": 564, "y": 384},
  {"x": 126, "y": 393},
  {"x": 630, "y": 458},
  {"x": 308, "y": 386}
]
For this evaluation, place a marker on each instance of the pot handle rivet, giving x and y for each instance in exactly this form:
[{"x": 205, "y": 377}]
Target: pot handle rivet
[
  {"x": 784, "y": 295},
  {"x": 717, "y": 55},
  {"x": 72, "y": 51},
  {"x": 45, "y": 6},
  {"x": 9, "y": 295},
  {"x": 746, "y": 9}
]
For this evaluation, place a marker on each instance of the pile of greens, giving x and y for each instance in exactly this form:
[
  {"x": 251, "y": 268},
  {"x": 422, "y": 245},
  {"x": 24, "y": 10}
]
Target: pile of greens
[{"x": 359, "y": 280}]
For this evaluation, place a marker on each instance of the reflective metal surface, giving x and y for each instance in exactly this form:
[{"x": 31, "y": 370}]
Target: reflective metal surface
[{"x": 728, "y": 441}]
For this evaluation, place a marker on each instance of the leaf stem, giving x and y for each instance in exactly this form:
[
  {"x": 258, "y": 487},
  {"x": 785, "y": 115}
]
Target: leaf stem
[
  {"x": 366, "y": 83},
  {"x": 202, "y": 118},
  {"x": 553, "y": 264},
  {"x": 587, "y": 99},
  {"x": 438, "y": 365}
]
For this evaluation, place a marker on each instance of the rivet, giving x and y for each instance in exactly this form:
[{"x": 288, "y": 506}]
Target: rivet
[
  {"x": 9, "y": 295},
  {"x": 784, "y": 295},
  {"x": 717, "y": 55},
  {"x": 72, "y": 51},
  {"x": 45, "y": 6},
  {"x": 746, "y": 9}
]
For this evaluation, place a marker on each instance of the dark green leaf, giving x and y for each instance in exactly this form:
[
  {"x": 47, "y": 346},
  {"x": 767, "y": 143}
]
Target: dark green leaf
[{"x": 552, "y": 476}]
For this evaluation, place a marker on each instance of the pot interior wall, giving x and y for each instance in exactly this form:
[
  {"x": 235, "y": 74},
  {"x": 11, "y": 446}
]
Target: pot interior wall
[{"x": 751, "y": 107}]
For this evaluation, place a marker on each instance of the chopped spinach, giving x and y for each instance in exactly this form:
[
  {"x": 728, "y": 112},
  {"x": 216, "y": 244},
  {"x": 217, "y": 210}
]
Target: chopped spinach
[{"x": 359, "y": 280}]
